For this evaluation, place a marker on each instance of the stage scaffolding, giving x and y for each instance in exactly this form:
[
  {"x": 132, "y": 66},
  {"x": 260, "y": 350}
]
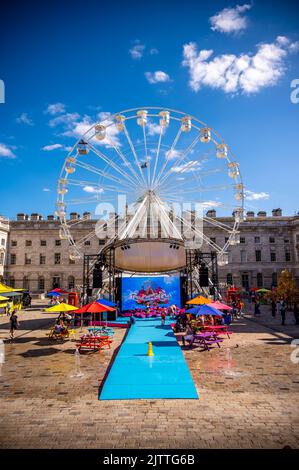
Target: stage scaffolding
[{"x": 190, "y": 275}]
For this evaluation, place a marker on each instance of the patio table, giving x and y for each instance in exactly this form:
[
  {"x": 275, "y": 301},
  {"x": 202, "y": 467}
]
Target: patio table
[
  {"x": 219, "y": 329},
  {"x": 94, "y": 342},
  {"x": 206, "y": 339}
]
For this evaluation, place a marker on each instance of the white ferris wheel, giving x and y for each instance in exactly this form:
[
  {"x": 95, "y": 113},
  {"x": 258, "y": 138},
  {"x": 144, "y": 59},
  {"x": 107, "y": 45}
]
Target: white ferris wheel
[{"x": 156, "y": 158}]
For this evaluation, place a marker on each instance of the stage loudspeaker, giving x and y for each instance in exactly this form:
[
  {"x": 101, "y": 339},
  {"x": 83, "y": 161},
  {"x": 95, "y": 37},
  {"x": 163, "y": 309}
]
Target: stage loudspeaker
[
  {"x": 97, "y": 277},
  {"x": 118, "y": 290},
  {"x": 203, "y": 276},
  {"x": 89, "y": 292}
]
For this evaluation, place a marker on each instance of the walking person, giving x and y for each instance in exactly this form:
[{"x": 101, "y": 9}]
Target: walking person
[
  {"x": 8, "y": 308},
  {"x": 296, "y": 313},
  {"x": 14, "y": 324},
  {"x": 273, "y": 308},
  {"x": 257, "y": 308},
  {"x": 283, "y": 308},
  {"x": 163, "y": 316}
]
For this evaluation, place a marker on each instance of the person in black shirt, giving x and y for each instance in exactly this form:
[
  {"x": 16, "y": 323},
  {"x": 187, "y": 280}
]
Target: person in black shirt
[{"x": 14, "y": 324}]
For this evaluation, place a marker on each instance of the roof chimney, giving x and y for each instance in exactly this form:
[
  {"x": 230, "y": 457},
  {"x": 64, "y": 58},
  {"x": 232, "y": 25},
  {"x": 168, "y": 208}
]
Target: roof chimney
[
  {"x": 250, "y": 214},
  {"x": 211, "y": 213},
  {"x": 21, "y": 216},
  {"x": 262, "y": 214},
  {"x": 74, "y": 215},
  {"x": 50, "y": 217},
  {"x": 277, "y": 213},
  {"x": 86, "y": 215}
]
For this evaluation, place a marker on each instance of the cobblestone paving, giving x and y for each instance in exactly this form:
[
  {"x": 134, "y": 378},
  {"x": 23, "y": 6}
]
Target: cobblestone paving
[{"x": 248, "y": 393}]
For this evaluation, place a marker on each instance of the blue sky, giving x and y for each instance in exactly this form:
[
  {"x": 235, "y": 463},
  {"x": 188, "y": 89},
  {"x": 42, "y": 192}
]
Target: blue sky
[{"x": 229, "y": 66}]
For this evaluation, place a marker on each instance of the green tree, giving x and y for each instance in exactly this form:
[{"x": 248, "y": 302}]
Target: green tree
[{"x": 286, "y": 288}]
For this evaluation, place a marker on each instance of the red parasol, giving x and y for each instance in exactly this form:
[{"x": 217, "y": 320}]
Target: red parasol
[{"x": 94, "y": 307}]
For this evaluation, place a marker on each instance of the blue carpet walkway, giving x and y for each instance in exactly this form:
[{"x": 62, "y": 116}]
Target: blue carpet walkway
[{"x": 134, "y": 375}]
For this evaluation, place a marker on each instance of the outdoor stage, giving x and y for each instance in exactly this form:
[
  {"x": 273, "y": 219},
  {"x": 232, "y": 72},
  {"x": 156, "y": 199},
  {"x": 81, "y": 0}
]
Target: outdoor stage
[{"x": 135, "y": 375}]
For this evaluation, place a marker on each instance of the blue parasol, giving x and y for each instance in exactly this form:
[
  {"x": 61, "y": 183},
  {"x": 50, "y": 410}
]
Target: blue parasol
[
  {"x": 208, "y": 310},
  {"x": 106, "y": 302},
  {"x": 54, "y": 294}
]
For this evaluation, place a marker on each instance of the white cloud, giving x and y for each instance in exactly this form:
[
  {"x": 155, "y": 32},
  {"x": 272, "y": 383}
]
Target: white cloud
[
  {"x": 153, "y": 128},
  {"x": 172, "y": 154},
  {"x": 49, "y": 148},
  {"x": 137, "y": 51},
  {"x": 157, "y": 77},
  {"x": 230, "y": 20},
  {"x": 6, "y": 152},
  {"x": 64, "y": 119},
  {"x": 247, "y": 73},
  {"x": 253, "y": 196},
  {"x": 187, "y": 167},
  {"x": 25, "y": 119},
  {"x": 92, "y": 190},
  {"x": 46, "y": 190},
  {"x": 75, "y": 125},
  {"x": 56, "y": 108},
  {"x": 153, "y": 51}
]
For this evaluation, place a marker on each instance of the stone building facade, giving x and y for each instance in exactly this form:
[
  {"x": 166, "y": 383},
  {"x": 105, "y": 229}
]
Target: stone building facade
[
  {"x": 4, "y": 229},
  {"x": 36, "y": 258}
]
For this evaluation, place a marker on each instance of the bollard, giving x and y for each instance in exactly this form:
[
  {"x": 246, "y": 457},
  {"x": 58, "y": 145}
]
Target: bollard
[{"x": 150, "y": 349}]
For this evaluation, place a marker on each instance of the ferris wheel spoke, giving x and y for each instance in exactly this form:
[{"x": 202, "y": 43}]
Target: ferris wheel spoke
[
  {"x": 95, "y": 186},
  {"x": 127, "y": 163},
  {"x": 157, "y": 155},
  {"x": 217, "y": 224},
  {"x": 134, "y": 153},
  {"x": 168, "y": 157},
  {"x": 104, "y": 174},
  {"x": 180, "y": 159},
  {"x": 198, "y": 190},
  {"x": 206, "y": 239},
  {"x": 146, "y": 155},
  {"x": 111, "y": 163},
  {"x": 132, "y": 225},
  {"x": 196, "y": 174}
]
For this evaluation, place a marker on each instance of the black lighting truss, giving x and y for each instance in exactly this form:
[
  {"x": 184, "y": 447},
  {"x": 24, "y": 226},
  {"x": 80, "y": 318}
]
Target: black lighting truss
[
  {"x": 194, "y": 260},
  {"x": 107, "y": 263}
]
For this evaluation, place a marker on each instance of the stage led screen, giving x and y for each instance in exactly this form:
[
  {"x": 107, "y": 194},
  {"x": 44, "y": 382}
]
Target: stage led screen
[{"x": 138, "y": 292}]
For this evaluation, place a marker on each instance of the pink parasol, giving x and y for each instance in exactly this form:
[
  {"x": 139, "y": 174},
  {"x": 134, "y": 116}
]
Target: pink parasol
[{"x": 219, "y": 305}]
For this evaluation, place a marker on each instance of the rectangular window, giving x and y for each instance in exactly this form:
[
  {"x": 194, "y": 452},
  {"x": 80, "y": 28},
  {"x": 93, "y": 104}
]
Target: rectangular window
[
  {"x": 71, "y": 261},
  {"x": 43, "y": 243},
  {"x": 41, "y": 284},
  {"x": 102, "y": 242},
  {"x": 3, "y": 241},
  {"x": 226, "y": 239},
  {"x": 271, "y": 240},
  {"x": 57, "y": 258},
  {"x": 242, "y": 239},
  {"x": 259, "y": 280},
  {"x": 213, "y": 239},
  {"x": 257, "y": 239},
  {"x": 14, "y": 242},
  {"x": 243, "y": 256},
  {"x": 287, "y": 256},
  {"x": 27, "y": 259},
  {"x": 286, "y": 240},
  {"x": 258, "y": 255},
  {"x": 28, "y": 243},
  {"x": 42, "y": 259},
  {"x": 13, "y": 259},
  {"x": 57, "y": 242},
  {"x": 87, "y": 243},
  {"x": 1, "y": 258},
  {"x": 273, "y": 256}
]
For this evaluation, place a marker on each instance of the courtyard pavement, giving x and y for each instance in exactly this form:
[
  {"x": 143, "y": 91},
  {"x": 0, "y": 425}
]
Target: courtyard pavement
[{"x": 248, "y": 394}]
